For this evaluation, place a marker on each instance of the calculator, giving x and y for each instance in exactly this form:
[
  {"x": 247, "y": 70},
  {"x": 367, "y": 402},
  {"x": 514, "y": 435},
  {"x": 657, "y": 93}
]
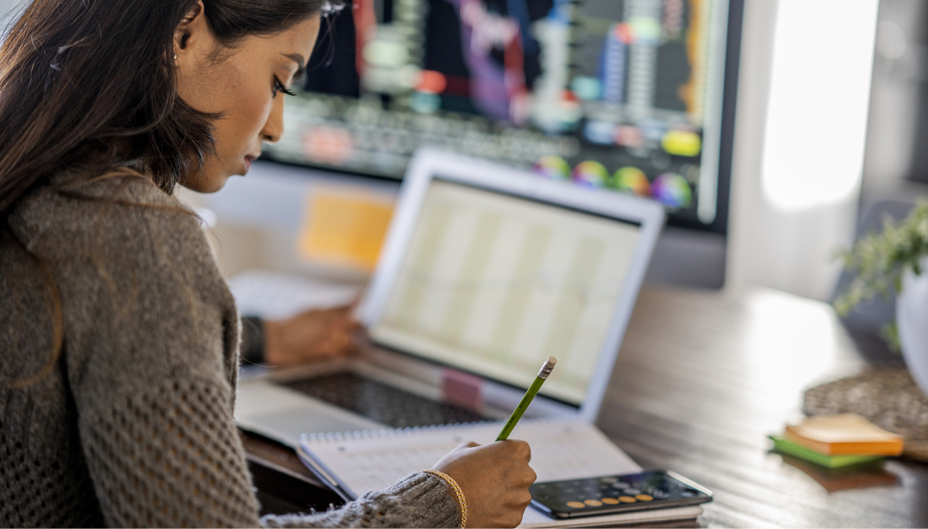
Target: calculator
[{"x": 653, "y": 489}]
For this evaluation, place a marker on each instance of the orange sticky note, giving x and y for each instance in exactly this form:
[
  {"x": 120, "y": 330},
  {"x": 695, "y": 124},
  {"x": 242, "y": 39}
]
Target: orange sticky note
[
  {"x": 344, "y": 228},
  {"x": 845, "y": 434}
]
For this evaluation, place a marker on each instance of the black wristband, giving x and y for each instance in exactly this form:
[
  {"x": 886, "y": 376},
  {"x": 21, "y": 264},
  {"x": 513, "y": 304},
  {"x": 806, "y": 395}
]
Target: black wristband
[{"x": 252, "y": 348}]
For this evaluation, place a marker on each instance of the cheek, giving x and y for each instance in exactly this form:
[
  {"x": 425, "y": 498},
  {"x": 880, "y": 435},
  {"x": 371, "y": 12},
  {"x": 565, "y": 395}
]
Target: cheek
[
  {"x": 250, "y": 109},
  {"x": 246, "y": 112},
  {"x": 254, "y": 109}
]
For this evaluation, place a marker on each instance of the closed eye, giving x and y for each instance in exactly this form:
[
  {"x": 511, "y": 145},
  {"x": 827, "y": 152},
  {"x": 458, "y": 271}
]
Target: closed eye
[{"x": 279, "y": 87}]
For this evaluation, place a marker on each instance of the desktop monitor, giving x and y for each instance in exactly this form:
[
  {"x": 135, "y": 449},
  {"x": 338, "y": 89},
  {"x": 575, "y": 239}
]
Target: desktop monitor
[{"x": 627, "y": 96}]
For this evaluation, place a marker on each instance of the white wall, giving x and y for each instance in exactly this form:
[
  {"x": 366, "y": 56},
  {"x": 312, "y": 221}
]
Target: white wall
[
  {"x": 7, "y": 9},
  {"x": 802, "y": 115},
  {"x": 897, "y": 83},
  {"x": 6, "y": 6}
]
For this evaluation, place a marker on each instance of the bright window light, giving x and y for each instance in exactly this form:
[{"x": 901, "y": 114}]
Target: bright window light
[{"x": 819, "y": 99}]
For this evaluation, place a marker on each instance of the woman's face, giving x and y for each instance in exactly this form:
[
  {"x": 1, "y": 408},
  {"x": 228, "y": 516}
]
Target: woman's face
[{"x": 246, "y": 85}]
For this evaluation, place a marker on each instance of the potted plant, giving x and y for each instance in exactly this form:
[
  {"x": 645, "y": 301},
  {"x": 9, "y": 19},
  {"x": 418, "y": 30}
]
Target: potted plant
[{"x": 895, "y": 260}]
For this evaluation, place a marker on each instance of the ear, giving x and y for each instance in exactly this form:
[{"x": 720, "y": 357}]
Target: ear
[{"x": 191, "y": 34}]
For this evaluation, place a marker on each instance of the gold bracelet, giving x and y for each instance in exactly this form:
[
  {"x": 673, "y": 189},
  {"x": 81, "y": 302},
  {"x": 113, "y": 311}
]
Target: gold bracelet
[{"x": 462, "y": 503}]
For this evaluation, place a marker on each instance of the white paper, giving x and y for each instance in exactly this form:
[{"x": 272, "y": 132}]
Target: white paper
[{"x": 276, "y": 295}]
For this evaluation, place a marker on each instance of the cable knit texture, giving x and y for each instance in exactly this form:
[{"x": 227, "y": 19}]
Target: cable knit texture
[{"x": 132, "y": 425}]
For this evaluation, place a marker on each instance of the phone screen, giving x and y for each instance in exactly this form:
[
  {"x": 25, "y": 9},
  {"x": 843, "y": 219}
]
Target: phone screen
[{"x": 653, "y": 489}]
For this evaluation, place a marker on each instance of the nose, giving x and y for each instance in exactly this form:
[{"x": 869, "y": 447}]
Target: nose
[{"x": 274, "y": 126}]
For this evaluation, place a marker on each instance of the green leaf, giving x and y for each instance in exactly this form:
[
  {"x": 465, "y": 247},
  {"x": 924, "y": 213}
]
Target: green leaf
[
  {"x": 879, "y": 259},
  {"x": 890, "y": 334}
]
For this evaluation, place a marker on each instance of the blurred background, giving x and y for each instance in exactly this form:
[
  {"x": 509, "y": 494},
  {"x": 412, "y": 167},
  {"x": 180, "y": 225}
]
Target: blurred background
[{"x": 766, "y": 127}]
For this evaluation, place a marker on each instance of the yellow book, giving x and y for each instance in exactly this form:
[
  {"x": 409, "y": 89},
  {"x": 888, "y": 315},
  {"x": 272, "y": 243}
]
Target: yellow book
[{"x": 846, "y": 434}]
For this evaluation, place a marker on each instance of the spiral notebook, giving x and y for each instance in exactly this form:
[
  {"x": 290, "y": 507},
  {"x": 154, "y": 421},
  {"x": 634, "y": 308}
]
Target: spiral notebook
[{"x": 356, "y": 463}]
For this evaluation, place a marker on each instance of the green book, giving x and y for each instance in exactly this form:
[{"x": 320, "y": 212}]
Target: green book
[{"x": 785, "y": 446}]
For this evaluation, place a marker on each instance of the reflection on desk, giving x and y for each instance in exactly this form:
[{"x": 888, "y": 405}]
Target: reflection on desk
[{"x": 702, "y": 378}]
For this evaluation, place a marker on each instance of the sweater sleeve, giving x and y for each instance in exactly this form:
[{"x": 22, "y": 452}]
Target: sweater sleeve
[
  {"x": 150, "y": 352},
  {"x": 151, "y": 355},
  {"x": 419, "y": 500}
]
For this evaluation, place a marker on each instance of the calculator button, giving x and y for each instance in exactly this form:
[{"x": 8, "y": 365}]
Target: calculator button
[
  {"x": 620, "y": 484},
  {"x": 644, "y": 497},
  {"x": 632, "y": 491},
  {"x": 593, "y": 503},
  {"x": 610, "y": 501},
  {"x": 627, "y": 499},
  {"x": 575, "y": 504}
]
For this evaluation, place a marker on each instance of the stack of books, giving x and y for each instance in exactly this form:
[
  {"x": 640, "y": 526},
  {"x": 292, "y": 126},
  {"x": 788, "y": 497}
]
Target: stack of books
[{"x": 834, "y": 441}]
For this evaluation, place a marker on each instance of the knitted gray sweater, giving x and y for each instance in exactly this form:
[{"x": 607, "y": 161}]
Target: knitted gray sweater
[{"x": 132, "y": 425}]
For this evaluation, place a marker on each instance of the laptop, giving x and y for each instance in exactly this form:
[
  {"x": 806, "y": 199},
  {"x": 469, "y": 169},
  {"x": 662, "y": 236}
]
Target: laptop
[{"x": 486, "y": 271}]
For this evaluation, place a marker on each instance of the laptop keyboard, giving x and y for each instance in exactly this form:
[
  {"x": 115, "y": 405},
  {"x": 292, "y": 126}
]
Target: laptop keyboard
[{"x": 382, "y": 403}]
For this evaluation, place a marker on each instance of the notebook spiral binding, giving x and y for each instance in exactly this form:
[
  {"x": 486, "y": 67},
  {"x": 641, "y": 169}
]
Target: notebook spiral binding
[{"x": 414, "y": 430}]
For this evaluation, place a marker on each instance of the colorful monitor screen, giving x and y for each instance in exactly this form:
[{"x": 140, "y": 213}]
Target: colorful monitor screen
[{"x": 630, "y": 96}]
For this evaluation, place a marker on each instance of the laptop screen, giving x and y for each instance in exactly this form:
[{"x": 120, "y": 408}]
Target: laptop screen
[{"x": 493, "y": 284}]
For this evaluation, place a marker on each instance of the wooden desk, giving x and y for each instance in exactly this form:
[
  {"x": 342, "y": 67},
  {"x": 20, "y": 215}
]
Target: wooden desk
[{"x": 702, "y": 379}]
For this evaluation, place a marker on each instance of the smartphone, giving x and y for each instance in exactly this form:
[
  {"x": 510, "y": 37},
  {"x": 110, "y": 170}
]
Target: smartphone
[{"x": 652, "y": 489}]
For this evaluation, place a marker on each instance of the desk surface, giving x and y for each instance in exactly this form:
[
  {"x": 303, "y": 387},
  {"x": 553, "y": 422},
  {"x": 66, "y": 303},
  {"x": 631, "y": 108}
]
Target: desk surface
[{"x": 704, "y": 377}]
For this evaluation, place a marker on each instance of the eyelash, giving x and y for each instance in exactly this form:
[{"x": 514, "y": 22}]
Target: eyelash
[{"x": 279, "y": 87}]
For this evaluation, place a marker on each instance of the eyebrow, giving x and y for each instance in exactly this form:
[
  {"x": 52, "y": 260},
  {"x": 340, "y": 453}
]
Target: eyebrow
[{"x": 300, "y": 61}]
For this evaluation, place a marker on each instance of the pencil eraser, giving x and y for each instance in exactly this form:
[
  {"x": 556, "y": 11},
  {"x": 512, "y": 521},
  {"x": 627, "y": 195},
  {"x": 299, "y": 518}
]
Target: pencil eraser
[{"x": 547, "y": 367}]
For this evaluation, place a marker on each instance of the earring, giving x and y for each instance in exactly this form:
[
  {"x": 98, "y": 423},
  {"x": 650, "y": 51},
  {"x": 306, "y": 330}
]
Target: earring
[{"x": 175, "y": 56}]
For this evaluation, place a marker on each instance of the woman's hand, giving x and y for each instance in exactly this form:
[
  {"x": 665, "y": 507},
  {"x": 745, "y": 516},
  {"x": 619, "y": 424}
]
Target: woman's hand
[
  {"x": 495, "y": 479},
  {"x": 310, "y": 336}
]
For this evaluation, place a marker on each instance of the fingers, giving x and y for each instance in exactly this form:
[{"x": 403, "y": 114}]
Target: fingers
[
  {"x": 524, "y": 477},
  {"x": 495, "y": 477},
  {"x": 518, "y": 450},
  {"x": 518, "y": 502},
  {"x": 338, "y": 343},
  {"x": 521, "y": 477},
  {"x": 521, "y": 449},
  {"x": 512, "y": 520}
]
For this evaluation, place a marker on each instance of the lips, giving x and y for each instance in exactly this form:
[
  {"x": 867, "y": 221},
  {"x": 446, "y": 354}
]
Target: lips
[{"x": 248, "y": 159}]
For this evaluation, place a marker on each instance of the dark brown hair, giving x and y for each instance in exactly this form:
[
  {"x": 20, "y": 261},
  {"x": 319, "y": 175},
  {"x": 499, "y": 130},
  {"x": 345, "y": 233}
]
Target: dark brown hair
[{"x": 88, "y": 88}]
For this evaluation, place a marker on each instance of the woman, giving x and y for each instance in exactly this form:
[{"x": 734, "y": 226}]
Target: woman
[{"x": 119, "y": 338}]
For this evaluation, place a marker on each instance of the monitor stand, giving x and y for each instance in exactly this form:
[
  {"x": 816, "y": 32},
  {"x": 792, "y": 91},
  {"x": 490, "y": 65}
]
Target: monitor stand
[{"x": 688, "y": 258}]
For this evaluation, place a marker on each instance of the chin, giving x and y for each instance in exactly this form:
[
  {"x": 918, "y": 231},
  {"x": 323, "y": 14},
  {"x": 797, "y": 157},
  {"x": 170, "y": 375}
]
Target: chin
[
  {"x": 206, "y": 184},
  {"x": 215, "y": 184}
]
